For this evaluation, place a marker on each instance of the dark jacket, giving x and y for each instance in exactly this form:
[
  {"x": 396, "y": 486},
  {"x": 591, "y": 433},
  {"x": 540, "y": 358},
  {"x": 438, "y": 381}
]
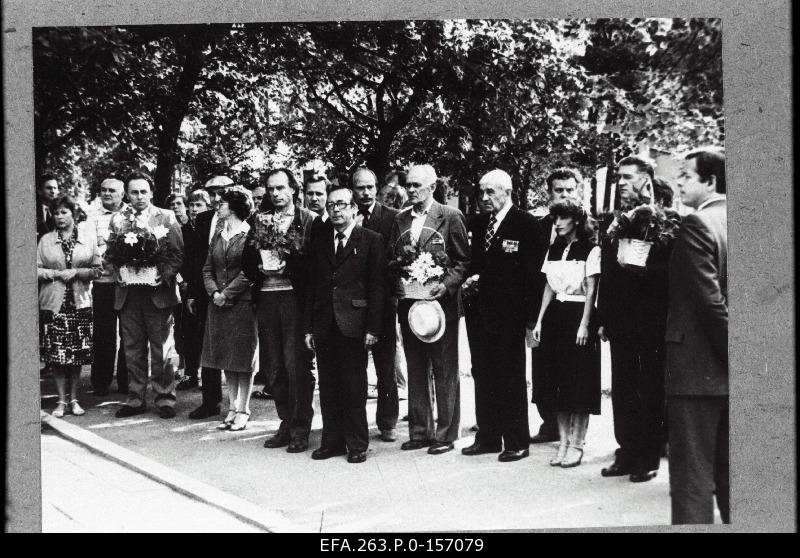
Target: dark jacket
[
  {"x": 43, "y": 224},
  {"x": 697, "y": 320},
  {"x": 509, "y": 270},
  {"x": 351, "y": 292}
]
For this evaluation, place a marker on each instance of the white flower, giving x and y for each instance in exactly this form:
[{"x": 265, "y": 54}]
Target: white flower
[
  {"x": 131, "y": 238},
  {"x": 160, "y": 231}
]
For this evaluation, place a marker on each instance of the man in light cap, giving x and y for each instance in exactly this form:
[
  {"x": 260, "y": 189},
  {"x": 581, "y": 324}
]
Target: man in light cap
[
  {"x": 206, "y": 224},
  {"x": 503, "y": 264},
  {"x": 434, "y": 228}
]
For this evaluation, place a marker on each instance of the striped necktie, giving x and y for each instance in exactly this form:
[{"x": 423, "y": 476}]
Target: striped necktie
[{"x": 487, "y": 240}]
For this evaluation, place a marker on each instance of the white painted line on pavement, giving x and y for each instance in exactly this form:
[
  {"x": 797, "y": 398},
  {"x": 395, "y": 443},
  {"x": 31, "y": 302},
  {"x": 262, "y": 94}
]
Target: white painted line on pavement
[{"x": 269, "y": 520}]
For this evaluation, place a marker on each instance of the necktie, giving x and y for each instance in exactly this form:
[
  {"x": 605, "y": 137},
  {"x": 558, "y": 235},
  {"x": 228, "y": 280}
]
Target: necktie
[
  {"x": 487, "y": 241},
  {"x": 339, "y": 246}
]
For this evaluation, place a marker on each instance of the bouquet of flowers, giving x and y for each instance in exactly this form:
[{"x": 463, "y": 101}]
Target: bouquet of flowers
[
  {"x": 418, "y": 270},
  {"x": 273, "y": 244},
  {"x": 638, "y": 230},
  {"x": 140, "y": 252}
]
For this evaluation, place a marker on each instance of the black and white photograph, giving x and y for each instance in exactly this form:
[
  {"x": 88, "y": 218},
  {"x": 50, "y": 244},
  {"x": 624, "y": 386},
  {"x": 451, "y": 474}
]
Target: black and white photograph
[{"x": 391, "y": 275}]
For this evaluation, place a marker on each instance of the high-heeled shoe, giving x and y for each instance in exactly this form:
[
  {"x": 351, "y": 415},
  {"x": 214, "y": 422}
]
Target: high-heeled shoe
[
  {"x": 240, "y": 424},
  {"x": 559, "y": 458},
  {"x": 75, "y": 407},
  {"x": 573, "y": 457},
  {"x": 228, "y": 421},
  {"x": 58, "y": 412}
]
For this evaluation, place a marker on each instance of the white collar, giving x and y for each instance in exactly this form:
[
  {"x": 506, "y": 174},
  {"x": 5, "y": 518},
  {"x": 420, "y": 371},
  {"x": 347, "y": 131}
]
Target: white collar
[
  {"x": 712, "y": 199},
  {"x": 424, "y": 211},
  {"x": 242, "y": 227},
  {"x": 347, "y": 232},
  {"x": 371, "y": 209},
  {"x": 503, "y": 212},
  {"x": 324, "y": 216}
]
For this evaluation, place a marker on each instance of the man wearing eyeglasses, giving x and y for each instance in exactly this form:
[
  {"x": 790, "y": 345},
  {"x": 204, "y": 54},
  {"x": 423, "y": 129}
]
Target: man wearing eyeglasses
[{"x": 433, "y": 227}]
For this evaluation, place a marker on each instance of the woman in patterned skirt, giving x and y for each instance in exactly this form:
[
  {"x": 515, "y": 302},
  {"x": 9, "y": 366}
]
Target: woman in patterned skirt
[{"x": 67, "y": 260}]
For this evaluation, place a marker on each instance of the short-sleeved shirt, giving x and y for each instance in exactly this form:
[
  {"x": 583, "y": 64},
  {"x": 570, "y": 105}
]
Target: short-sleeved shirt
[{"x": 568, "y": 266}]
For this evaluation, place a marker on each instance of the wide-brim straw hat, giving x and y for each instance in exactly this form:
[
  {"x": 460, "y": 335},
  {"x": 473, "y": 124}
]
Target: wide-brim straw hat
[{"x": 426, "y": 320}]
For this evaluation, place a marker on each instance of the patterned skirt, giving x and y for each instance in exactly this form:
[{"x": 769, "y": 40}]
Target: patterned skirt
[{"x": 65, "y": 337}]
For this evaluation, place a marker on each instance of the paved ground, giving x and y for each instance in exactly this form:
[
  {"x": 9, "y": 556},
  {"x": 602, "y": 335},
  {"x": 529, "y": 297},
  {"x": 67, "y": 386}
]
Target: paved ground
[{"x": 394, "y": 490}]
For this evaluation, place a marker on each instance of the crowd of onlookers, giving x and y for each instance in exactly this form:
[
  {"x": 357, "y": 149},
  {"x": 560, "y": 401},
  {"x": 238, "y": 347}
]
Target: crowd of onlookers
[{"x": 269, "y": 284}]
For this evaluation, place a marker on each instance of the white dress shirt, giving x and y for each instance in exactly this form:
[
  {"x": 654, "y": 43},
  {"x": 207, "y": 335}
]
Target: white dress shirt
[
  {"x": 347, "y": 232},
  {"x": 418, "y": 221}
]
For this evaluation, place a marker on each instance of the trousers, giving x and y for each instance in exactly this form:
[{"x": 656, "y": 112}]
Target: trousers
[{"x": 105, "y": 340}]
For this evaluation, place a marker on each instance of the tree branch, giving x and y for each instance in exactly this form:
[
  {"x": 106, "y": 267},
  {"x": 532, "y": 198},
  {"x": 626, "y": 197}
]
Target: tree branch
[{"x": 330, "y": 106}]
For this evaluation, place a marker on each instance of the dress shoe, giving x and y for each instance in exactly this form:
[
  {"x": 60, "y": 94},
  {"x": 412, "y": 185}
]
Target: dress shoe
[
  {"x": 616, "y": 469},
  {"x": 227, "y": 421},
  {"x": 277, "y": 441},
  {"x": 438, "y": 448},
  {"x": 560, "y": 455},
  {"x": 510, "y": 455},
  {"x": 100, "y": 392},
  {"x": 262, "y": 394},
  {"x": 643, "y": 476},
  {"x": 240, "y": 422},
  {"x": 166, "y": 412},
  {"x": 203, "y": 412},
  {"x": 544, "y": 437},
  {"x": 326, "y": 453},
  {"x": 572, "y": 458},
  {"x": 297, "y": 446},
  {"x": 129, "y": 411},
  {"x": 187, "y": 382},
  {"x": 75, "y": 407},
  {"x": 478, "y": 449},
  {"x": 356, "y": 457},
  {"x": 415, "y": 444},
  {"x": 388, "y": 435}
]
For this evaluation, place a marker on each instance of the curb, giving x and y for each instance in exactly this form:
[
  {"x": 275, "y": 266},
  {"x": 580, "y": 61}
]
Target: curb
[{"x": 268, "y": 520}]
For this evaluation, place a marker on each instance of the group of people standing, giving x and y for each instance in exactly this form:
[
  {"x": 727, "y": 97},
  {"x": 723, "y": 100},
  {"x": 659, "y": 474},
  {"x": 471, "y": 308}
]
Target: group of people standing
[{"x": 547, "y": 283}]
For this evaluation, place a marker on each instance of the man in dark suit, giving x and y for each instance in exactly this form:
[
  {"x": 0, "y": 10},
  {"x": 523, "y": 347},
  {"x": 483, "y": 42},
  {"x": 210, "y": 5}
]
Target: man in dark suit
[
  {"x": 46, "y": 192},
  {"x": 697, "y": 346},
  {"x": 280, "y": 299},
  {"x": 374, "y": 216},
  {"x": 144, "y": 311},
  {"x": 434, "y": 228},
  {"x": 632, "y": 315},
  {"x": 504, "y": 264},
  {"x": 563, "y": 183},
  {"x": 343, "y": 319}
]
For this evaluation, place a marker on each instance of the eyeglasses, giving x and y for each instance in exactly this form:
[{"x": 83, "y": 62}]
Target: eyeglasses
[{"x": 340, "y": 205}]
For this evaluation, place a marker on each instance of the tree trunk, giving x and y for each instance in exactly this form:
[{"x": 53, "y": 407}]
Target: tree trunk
[{"x": 192, "y": 47}]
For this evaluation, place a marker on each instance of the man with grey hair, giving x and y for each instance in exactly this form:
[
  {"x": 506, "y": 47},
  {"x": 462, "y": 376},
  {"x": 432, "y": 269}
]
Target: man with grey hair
[
  {"x": 435, "y": 228},
  {"x": 104, "y": 316},
  {"x": 504, "y": 265}
]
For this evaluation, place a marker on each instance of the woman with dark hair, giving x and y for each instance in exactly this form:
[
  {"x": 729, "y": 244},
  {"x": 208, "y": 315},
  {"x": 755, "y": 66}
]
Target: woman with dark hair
[
  {"x": 568, "y": 354},
  {"x": 67, "y": 261},
  {"x": 230, "y": 342}
]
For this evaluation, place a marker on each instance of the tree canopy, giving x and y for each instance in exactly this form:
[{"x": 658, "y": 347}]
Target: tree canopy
[{"x": 190, "y": 101}]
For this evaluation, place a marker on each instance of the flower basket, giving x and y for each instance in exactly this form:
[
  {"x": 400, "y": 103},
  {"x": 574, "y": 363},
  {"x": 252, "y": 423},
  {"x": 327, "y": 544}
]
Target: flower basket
[
  {"x": 270, "y": 260},
  {"x": 415, "y": 290},
  {"x": 142, "y": 276},
  {"x": 633, "y": 252}
]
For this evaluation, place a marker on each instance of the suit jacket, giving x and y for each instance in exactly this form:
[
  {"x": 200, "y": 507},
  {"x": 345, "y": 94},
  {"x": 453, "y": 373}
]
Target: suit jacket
[
  {"x": 297, "y": 265},
  {"x": 223, "y": 269},
  {"x": 43, "y": 224},
  {"x": 697, "y": 320},
  {"x": 165, "y": 295},
  {"x": 195, "y": 247},
  {"x": 350, "y": 291},
  {"x": 451, "y": 225},
  {"x": 381, "y": 221},
  {"x": 508, "y": 270}
]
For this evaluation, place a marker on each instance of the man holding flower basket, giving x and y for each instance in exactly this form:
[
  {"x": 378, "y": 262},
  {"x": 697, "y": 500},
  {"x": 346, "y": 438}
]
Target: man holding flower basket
[
  {"x": 145, "y": 247},
  {"x": 430, "y": 257}
]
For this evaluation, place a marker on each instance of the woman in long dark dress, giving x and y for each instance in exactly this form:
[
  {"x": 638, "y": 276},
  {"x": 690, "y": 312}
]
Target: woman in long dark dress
[
  {"x": 67, "y": 260},
  {"x": 230, "y": 342},
  {"x": 569, "y": 355}
]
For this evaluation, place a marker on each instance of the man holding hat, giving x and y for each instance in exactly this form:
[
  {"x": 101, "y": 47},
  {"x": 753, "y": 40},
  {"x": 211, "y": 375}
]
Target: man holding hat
[
  {"x": 504, "y": 266},
  {"x": 430, "y": 327},
  {"x": 206, "y": 224}
]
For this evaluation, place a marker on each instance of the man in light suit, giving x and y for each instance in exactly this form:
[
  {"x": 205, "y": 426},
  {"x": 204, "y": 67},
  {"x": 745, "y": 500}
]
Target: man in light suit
[
  {"x": 144, "y": 311},
  {"x": 343, "y": 319},
  {"x": 697, "y": 346},
  {"x": 433, "y": 227},
  {"x": 504, "y": 264},
  {"x": 376, "y": 217}
]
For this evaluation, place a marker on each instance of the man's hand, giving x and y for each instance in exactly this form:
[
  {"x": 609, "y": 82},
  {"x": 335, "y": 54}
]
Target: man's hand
[
  {"x": 438, "y": 290},
  {"x": 369, "y": 340},
  {"x": 537, "y": 332},
  {"x": 601, "y": 331},
  {"x": 219, "y": 299},
  {"x": 471, "y": 281},
  {"x": 530, "y": 339},
  {"x": 310, "y": 342},
  {"x": 583, "y": 335},
  {"x": 191, "y": 306}
]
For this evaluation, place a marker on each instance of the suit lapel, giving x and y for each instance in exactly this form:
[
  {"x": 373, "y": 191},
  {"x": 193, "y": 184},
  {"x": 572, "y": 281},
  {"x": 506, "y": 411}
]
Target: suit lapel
[
  {"x": 355, "y": 239},
  {"x": 374, "y": 221},
  {"x": 433, "y": 222},
  {"x": 506, "y": 224}
]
